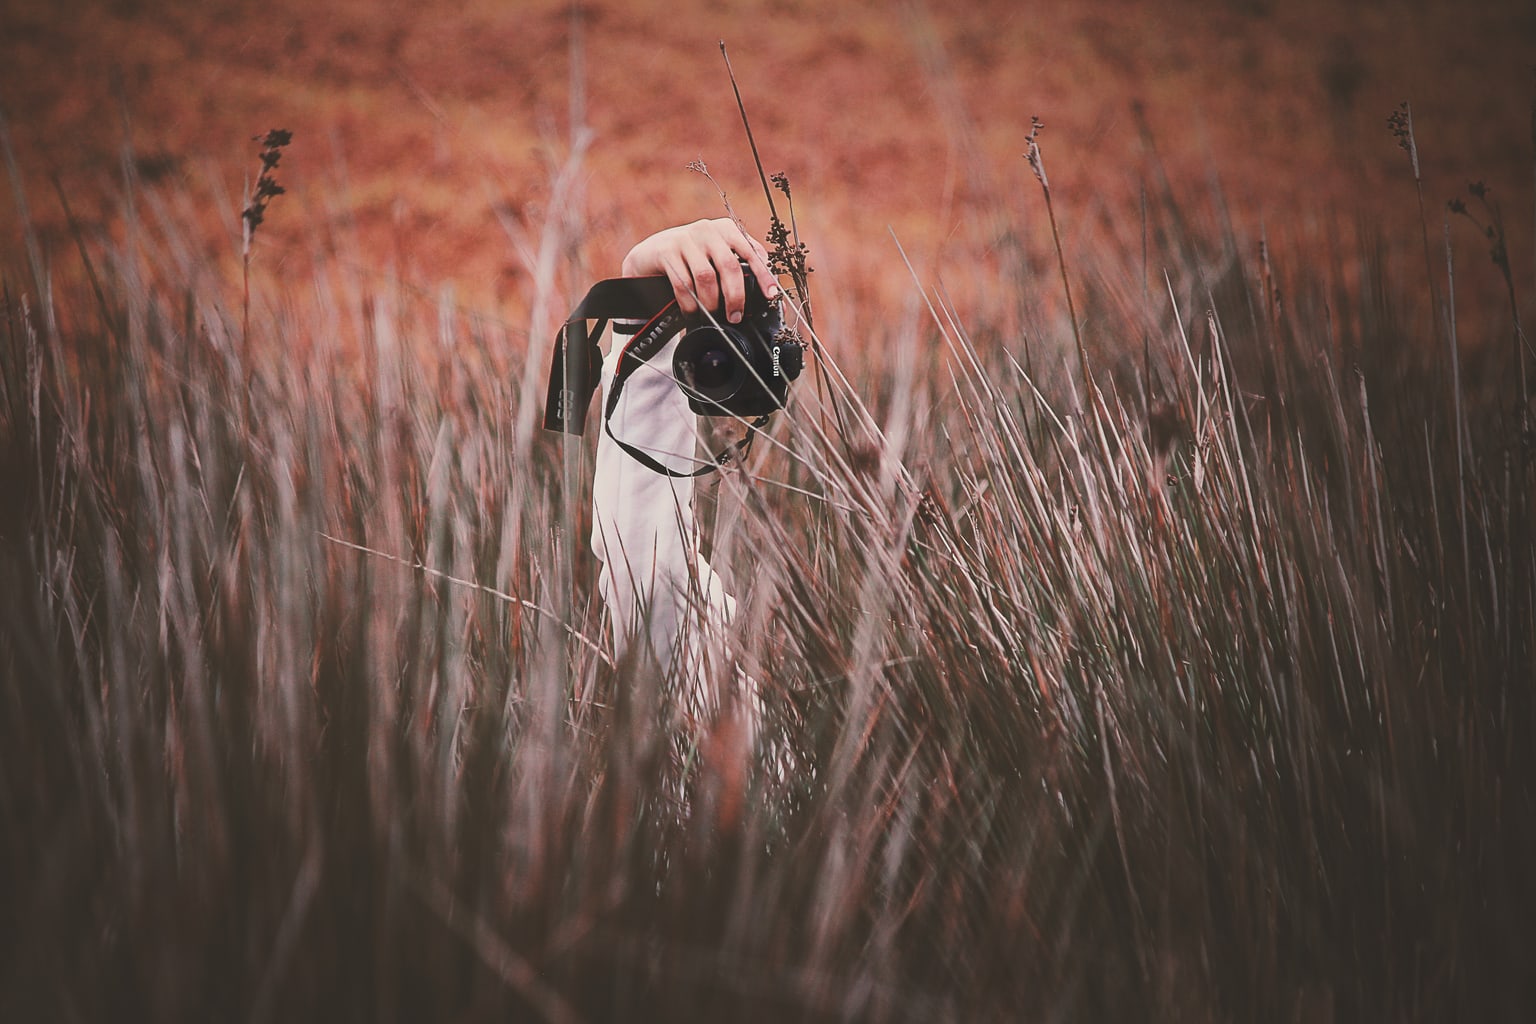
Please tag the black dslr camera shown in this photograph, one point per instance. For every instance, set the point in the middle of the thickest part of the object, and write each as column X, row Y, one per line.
column 740, row 369
column 725, row 369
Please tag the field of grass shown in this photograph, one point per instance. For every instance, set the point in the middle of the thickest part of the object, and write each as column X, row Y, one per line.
column 1178, row 672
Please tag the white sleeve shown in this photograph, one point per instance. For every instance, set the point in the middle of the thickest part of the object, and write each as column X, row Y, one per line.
column 653, row 581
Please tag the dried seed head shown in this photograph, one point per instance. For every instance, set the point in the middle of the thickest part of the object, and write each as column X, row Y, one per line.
column 266, row 186
column 1401, row 125
column 1032, row 154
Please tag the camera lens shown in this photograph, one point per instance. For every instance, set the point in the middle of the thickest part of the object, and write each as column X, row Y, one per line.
column 737, row 370
column 710, row 363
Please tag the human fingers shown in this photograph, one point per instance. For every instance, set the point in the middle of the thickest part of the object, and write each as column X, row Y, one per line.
column 706, row 269
column 726, row 260
column 692, row 274
column 714, row 251
column 740, row 248
column 751, row 250
column 680, row 276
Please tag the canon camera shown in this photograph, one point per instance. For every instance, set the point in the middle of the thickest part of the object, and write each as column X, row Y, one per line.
column 725, row 369
column 741, row 369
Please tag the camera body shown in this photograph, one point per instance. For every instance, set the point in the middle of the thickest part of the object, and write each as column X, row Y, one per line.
column 742, row 369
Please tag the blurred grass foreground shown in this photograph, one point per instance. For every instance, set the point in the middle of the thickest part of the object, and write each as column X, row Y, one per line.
column 1183, row 673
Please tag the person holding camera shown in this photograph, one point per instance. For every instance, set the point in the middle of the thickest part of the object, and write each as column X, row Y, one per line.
column 657, row 587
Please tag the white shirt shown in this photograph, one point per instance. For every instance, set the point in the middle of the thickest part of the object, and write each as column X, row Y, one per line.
column 657, row 588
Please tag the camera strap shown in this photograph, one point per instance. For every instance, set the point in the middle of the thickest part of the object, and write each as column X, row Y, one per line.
column 578, row 363
column 643, row 347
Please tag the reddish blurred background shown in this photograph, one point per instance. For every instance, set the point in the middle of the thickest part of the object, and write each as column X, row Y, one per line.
column 430, row 138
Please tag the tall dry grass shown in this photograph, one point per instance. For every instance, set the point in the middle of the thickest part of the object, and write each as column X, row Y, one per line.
column 1202, row 696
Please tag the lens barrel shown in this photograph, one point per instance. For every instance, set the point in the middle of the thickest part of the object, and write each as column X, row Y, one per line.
column 712, row 363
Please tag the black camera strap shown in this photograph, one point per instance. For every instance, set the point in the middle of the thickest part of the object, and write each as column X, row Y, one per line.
column 578, row 362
